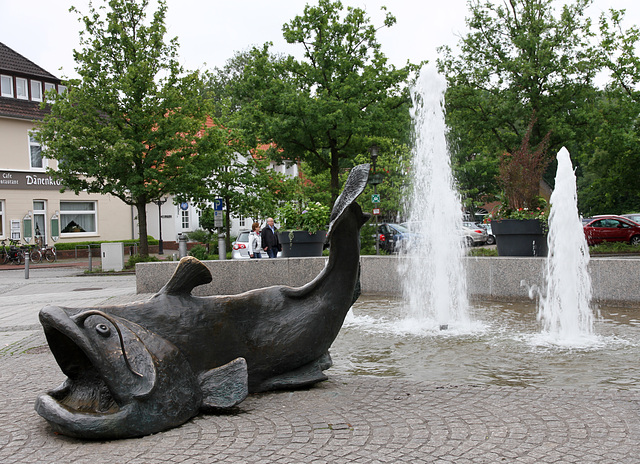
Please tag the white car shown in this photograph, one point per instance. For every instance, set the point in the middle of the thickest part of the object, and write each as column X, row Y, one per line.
column 240, row 248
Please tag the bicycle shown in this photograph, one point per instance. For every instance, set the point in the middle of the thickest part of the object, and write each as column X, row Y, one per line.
column 49, row 253
column 35, row 255
column 11, row 254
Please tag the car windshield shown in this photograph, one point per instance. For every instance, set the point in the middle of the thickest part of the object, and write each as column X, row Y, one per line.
column 399, row 228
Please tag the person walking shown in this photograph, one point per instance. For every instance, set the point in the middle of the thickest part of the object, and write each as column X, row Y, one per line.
column 255, row 241
column 270, row 242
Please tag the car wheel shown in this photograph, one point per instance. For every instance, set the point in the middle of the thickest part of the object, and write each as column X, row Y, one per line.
column 491, row 240
column 469, row 241
column 635, row 240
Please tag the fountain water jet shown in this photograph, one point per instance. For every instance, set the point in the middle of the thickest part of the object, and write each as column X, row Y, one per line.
column 564, row 309
column 435, row 281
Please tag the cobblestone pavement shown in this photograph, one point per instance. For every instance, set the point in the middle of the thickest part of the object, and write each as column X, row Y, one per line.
column 348, row 419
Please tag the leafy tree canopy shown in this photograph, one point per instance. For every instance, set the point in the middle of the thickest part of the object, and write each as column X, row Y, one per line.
column 135, row 124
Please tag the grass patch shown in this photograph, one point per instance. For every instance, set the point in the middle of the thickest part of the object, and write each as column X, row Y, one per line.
column 482, row 252
column 613, row 248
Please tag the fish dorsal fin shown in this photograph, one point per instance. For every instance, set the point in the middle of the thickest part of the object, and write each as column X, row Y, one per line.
column 190, row 273
column 225, row 386
column 353, row 187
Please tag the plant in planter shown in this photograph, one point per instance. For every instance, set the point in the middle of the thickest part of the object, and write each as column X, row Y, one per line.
column 302, row 228
column 520, row 225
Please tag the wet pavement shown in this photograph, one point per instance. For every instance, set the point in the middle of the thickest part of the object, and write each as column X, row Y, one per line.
column 347, row 419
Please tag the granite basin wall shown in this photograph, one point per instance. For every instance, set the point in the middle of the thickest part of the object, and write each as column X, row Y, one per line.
column 615, row 281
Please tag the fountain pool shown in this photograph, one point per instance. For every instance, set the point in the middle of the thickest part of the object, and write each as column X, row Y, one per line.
column 504, row 347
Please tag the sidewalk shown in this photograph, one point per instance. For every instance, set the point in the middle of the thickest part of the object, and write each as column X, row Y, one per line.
column 348, row 419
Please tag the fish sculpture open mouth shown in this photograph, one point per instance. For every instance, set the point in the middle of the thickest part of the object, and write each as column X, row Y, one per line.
column 148, row 366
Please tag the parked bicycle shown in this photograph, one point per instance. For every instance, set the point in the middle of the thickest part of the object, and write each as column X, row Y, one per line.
column 12, row 253
column 35, row 255
column 49, row 253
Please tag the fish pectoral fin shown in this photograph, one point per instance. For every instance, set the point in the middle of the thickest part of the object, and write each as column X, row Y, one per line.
column 303, row 376
column 225, row 386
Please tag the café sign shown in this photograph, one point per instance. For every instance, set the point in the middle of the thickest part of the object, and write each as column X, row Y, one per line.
column 28, row 181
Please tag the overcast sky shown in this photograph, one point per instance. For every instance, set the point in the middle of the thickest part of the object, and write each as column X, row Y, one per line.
column 210, row 31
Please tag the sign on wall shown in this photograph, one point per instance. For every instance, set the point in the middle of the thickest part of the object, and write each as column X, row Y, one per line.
column 28, row 181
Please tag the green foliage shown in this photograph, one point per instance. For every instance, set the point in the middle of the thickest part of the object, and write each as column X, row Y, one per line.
column 134, row 259
column 200, row 252
column 135, row 124
column 310, row 217
column 482, row 251
column 520, row 58
column 613, row 248
column 324, row 108
column 74, row 245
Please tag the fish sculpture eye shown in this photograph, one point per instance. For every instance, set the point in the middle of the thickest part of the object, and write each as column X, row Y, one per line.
column 103, row 330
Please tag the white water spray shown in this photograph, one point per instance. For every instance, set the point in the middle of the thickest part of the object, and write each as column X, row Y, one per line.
column 565, row 310
column 434, row 277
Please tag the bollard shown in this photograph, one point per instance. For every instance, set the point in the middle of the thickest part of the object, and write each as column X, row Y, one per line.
column 90, row 267
column 222, row 252
column 26, row 264
column 182, row 245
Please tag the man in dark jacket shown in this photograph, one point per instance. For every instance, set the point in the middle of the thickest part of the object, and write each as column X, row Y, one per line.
column 270, row 240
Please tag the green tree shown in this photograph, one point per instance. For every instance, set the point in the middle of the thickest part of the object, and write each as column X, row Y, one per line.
column 519, row 59
column 611, row 180
column 323, row 108
column 134, row 124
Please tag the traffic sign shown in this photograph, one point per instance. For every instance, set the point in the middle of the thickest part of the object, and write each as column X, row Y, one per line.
column 217, row 219
column 184, row 206
column 376, row 211
column 375, row 198
column 217, row 204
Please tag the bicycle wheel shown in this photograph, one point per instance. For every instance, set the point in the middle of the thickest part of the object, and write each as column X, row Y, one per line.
column 50, row 255
column 35, row 256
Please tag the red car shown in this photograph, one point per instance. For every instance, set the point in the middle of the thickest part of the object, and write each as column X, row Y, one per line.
column 612, row 229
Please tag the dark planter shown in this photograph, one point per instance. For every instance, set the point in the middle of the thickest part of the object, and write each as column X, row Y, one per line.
column 302, row 243
column 520, row 237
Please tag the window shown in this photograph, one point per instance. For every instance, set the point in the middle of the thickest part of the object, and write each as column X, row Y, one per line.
column 184, row 215
column 1, row 218
column 36, row 91
column 48, row 86
column 6, row 86
column 78, row 217
column 39, row 220
column 22, row 91
column 241, row 221
column 35, row 154
column 62, row 89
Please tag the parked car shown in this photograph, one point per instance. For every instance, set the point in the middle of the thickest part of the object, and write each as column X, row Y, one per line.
column 393, row 237
column 240, row 247
column 491, row 240
column 474, row 236
column 635, row 217
column 612, row 229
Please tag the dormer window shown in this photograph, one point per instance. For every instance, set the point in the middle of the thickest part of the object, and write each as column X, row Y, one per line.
column 47, row 87
column 36, row 91
column 6, row 86
column 22, row 91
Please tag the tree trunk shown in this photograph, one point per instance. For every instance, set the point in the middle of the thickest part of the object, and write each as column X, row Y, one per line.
column 227, row 216
column 335, row 176
column 143, row 249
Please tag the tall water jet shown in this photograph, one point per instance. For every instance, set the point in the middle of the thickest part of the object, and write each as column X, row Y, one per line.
column 434, row 277
column 565, row 310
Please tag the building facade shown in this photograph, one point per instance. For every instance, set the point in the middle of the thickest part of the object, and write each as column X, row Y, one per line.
column 26, row 190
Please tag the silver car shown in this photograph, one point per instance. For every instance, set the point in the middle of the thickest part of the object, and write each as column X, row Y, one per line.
column 240, row 248
column 474, row 236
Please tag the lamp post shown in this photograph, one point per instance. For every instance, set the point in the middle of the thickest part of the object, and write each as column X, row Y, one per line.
column 374, row 180
column 160, row 202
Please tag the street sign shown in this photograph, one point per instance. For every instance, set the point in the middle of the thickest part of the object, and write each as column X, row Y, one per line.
column 375, row 198
column 217, row 204
column 217, row 219
column 376, row 211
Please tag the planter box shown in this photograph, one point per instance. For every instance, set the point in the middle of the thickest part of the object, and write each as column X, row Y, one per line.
column 520, row 237
column 302, row 244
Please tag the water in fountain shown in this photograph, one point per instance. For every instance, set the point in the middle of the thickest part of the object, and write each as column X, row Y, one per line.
column 434, row 277
column 565, row 310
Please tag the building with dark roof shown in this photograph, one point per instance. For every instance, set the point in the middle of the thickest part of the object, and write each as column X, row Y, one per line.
column 26, row 188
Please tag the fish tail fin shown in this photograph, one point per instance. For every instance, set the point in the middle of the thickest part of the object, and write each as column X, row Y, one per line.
column 190, row 273
column 353, row 187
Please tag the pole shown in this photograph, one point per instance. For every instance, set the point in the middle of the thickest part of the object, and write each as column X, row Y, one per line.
column 222, row 252
column 26, row 264
column 375, row 191
column 160, row 244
